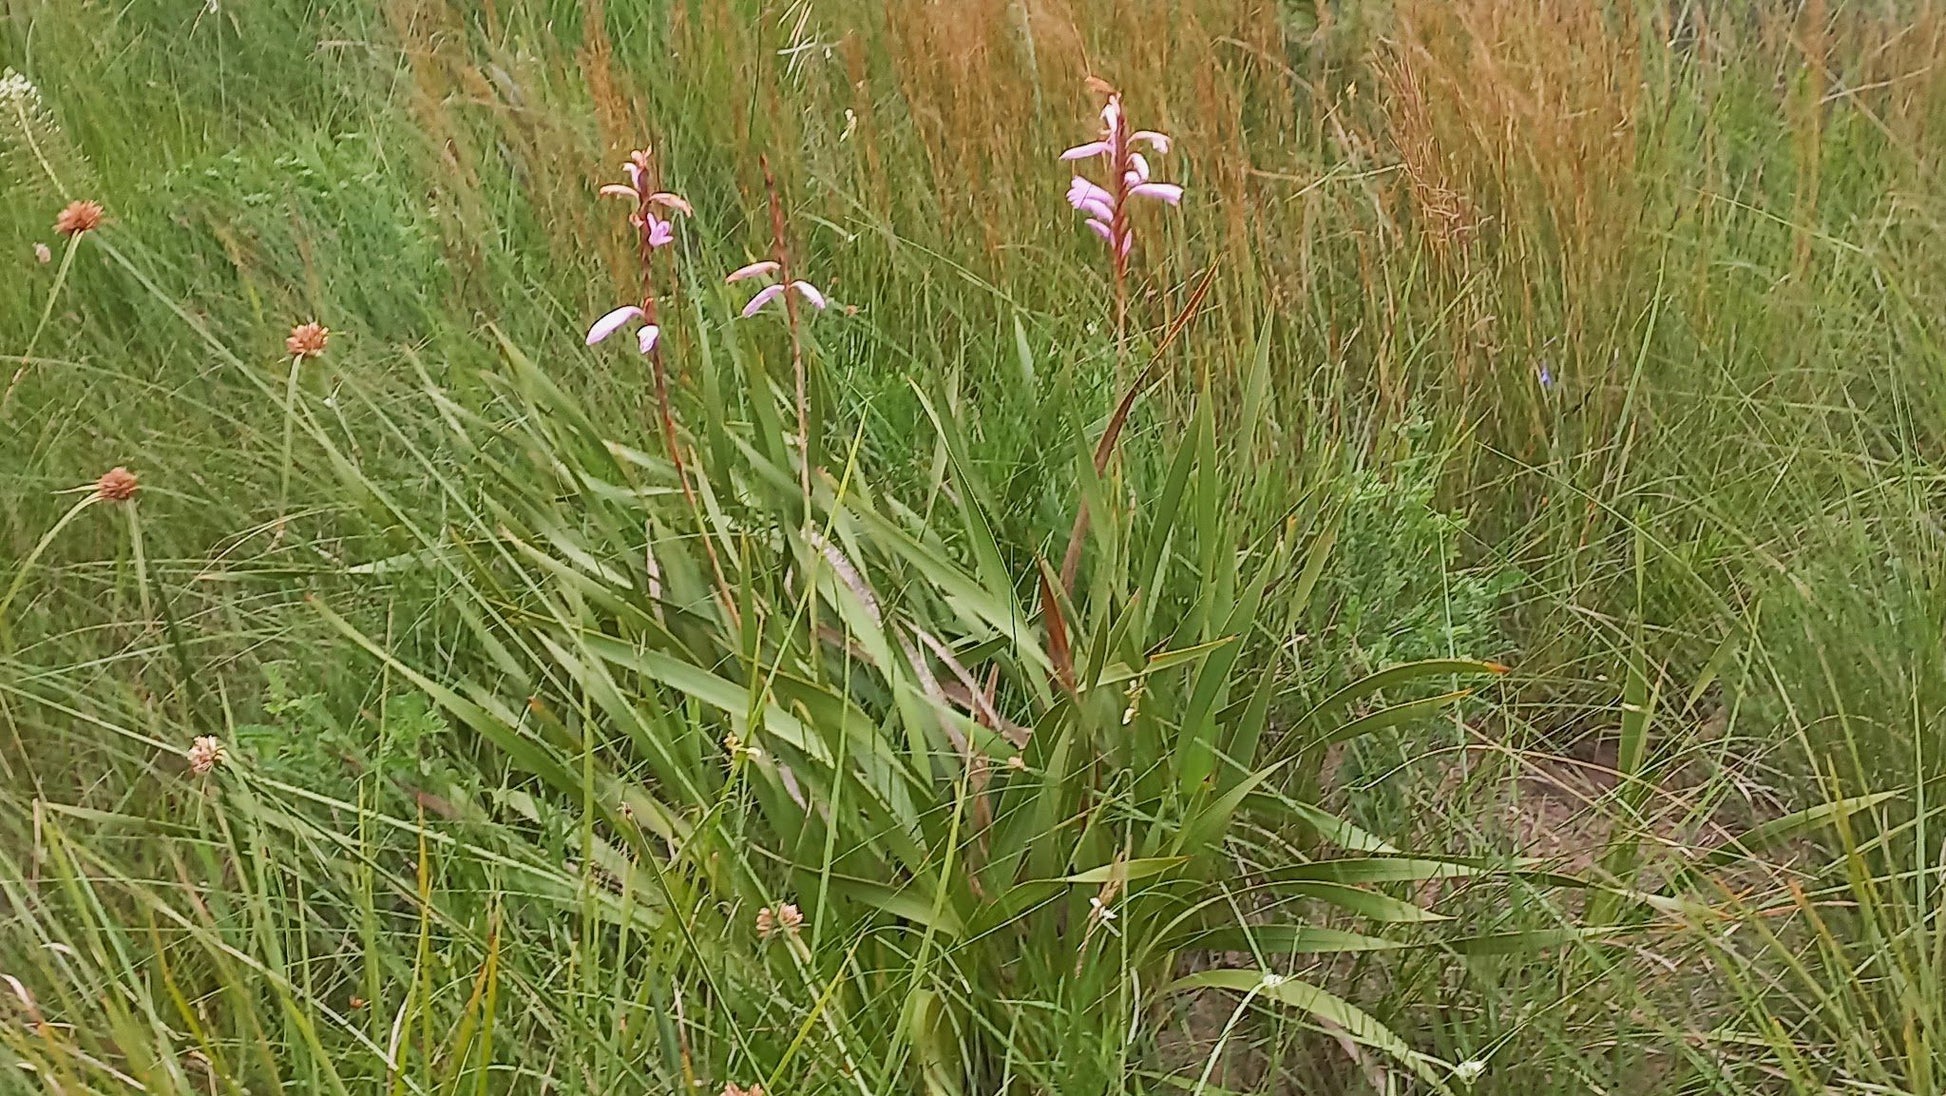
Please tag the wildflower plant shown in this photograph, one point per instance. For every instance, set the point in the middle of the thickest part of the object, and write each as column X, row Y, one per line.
column 74, row 221
column 117, row 487
column 787, row 288
column 306, row 340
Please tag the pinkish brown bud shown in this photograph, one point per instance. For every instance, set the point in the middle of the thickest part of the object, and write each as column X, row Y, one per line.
column 118, row 484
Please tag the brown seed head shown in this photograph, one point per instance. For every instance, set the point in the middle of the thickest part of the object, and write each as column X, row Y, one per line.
column 118, row 484
column 307, row 340
column 78, row 217
column 204, row 754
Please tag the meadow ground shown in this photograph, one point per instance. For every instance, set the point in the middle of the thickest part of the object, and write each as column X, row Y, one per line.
column 1459, row 611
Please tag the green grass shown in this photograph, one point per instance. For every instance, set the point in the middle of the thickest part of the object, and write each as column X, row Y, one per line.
column 523, row 729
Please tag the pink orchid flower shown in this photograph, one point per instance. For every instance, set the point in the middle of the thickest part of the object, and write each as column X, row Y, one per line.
column 655, row 231
column 652, row 232
column 811, row 294
column 616, row 320
column 1107, row 207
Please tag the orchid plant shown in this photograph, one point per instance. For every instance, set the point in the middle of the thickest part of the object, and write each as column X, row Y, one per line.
column 789, row 290
column 1107, row 207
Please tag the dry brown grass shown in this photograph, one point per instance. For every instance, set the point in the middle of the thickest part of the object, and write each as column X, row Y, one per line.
column 1489, row 166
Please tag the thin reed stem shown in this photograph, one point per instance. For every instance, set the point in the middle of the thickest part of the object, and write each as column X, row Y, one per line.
column 290, row 429
column 781, row 253
column 47, row 311
column 33, row 557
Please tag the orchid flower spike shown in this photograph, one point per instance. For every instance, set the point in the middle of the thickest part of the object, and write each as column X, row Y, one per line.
column 811, row 294
column 1129, row 175
column 652, row 218
column 656, row 231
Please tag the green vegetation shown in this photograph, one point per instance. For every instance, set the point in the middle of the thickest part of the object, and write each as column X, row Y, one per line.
column 1503, row 652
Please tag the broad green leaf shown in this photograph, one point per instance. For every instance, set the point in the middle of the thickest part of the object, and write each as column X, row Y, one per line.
column 1377, row 869
column 1391, row 677
column 908, row 904
column 717, row 692
column 1118, row 672
column 1369, row 904
column 1283, row 940
column 1360, row 1025
column 1792, row 825
column 1387, row 717
column 1128, row 870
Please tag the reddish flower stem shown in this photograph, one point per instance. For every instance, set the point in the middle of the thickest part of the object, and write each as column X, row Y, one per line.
column 781, row 253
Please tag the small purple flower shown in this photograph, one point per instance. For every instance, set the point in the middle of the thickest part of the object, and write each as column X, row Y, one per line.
column 1546, row 376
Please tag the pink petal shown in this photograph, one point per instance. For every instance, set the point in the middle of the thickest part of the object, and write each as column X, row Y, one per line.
column 1140, row 167
column 1096, row 208
column 1166, row 192
column 1082, row 152
column 1157, row 141
column 617, row 190
column 1128, row 241
column 1081, row 192
column 1101, row 229
column 634, row 171
column 751, row 271
column 612, row 323
column 810, row 293
column 646, row 337
column 764, row 296
column 661, row 234
column 672, row 201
